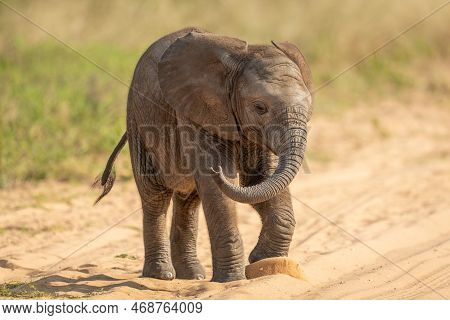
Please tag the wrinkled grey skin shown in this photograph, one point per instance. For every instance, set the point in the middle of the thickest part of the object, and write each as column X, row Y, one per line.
column 193, row 77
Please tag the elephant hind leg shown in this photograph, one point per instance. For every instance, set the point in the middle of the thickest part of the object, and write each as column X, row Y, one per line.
column 158, row 263
column 183, row 236
column 155, row 198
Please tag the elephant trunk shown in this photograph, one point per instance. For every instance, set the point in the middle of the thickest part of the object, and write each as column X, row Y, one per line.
column 291, row 151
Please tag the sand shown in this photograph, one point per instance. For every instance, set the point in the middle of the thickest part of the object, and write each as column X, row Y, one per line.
column 373, row 222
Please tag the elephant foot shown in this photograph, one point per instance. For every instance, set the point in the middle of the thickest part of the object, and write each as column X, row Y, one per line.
column 258, row 254
column 190, row 270
column 158, row 270
column 228, row 277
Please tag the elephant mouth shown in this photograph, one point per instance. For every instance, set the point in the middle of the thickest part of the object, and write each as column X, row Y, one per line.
column 272, row 150
column 257, row 136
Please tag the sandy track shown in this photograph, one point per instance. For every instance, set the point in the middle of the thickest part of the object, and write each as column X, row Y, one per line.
column 385, row 181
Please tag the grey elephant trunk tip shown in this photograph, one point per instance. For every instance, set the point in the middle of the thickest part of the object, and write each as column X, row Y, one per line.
column 218, row 175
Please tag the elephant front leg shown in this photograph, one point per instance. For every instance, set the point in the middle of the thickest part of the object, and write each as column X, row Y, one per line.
column 183, row 236
column 226, row 243
column 278, row 224
column 277, row 216
column 157, row 263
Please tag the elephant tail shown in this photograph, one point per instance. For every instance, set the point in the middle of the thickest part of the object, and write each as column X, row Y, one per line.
column 106, row 180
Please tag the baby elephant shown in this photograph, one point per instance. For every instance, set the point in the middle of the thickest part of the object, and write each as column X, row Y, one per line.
column 202, row 110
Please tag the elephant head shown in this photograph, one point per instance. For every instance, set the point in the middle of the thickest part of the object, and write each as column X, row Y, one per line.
column 258, row 93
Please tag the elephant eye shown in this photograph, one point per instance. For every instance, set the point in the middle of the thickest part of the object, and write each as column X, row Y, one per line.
column 260, row 107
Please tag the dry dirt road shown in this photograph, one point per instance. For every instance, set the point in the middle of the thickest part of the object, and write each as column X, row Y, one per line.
column 373, row 222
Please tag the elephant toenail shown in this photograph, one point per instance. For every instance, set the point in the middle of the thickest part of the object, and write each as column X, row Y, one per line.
column 167, row 275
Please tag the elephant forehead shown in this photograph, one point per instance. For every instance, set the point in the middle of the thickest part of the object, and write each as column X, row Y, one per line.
column 271, row 76
column 277, row 90
column 274, row 67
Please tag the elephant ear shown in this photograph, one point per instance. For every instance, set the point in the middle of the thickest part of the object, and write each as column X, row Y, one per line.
column 192, row 75
column 293, row 53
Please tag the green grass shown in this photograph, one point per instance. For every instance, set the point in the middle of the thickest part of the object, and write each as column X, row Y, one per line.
column 126, row 256
column 21, row 290
column 60, row 112
column 61, row 116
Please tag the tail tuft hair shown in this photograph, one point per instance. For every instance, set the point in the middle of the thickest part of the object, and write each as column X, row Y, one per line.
column 105, row 183
column 106, row 180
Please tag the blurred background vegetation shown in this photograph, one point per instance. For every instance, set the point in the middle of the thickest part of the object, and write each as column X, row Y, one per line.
column 61, row 116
